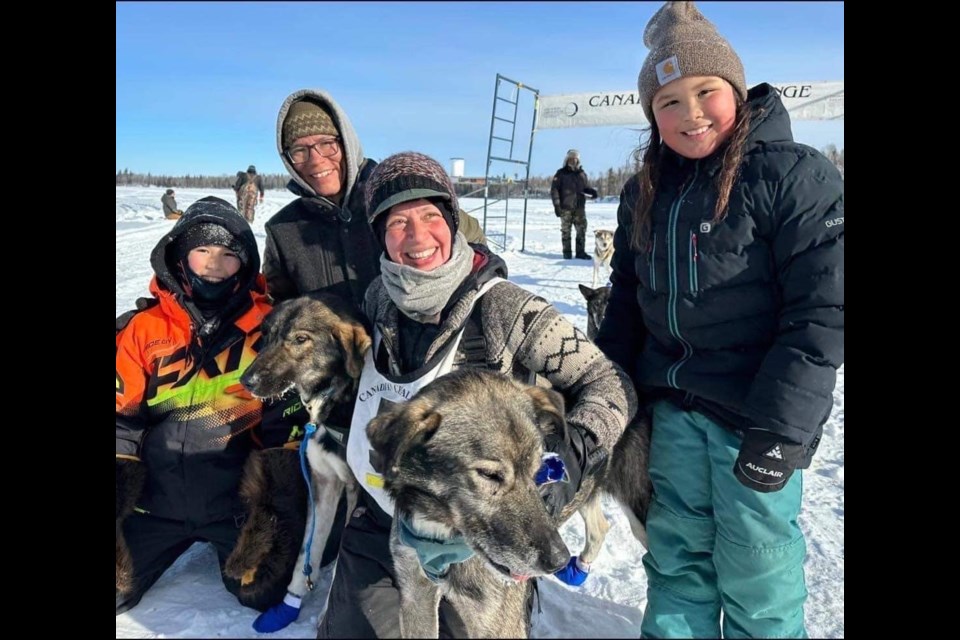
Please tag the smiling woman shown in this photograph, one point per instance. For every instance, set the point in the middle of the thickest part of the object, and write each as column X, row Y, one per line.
column 418, row 235
column 442, row 304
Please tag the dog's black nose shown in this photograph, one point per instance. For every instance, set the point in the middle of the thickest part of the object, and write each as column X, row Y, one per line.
column 554, row 554
column 250, row 380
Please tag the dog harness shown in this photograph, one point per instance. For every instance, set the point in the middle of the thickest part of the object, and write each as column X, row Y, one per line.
column 378, row 391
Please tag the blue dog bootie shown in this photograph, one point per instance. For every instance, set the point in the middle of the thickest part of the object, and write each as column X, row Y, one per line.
column 279, row 615
column 575, row 573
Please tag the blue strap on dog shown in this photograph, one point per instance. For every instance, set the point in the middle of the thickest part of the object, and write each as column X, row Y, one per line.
column 311, row 429
column 280, row 615
column 435, row 555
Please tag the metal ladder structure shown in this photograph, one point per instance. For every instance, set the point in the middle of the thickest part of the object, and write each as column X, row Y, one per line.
column 503, row 130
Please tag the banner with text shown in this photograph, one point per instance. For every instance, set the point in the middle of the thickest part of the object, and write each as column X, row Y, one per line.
column 804, row 101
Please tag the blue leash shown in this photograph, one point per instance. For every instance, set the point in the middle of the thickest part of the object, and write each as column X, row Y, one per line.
column 311, row 429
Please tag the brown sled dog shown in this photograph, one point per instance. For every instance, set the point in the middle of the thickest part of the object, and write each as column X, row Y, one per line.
column 459, row 459
column 314, row 344
column 130, row 478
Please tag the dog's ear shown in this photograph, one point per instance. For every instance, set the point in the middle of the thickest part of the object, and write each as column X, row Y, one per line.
column 549, row 408
column 586, row 291
column 354, row 342
column 393, row 432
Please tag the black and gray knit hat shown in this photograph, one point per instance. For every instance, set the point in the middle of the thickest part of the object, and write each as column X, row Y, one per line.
column 410, row 176
column 205, row 233
column 683, row 43
column 306, row 118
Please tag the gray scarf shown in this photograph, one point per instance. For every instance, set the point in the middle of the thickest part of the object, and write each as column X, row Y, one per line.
column 422, row 295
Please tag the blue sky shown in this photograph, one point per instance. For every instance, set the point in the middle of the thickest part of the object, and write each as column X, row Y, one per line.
column 199, row 84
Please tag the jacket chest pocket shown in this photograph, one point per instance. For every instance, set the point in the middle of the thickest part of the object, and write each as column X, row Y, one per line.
column 650, row 266
column 730, row 253
column 693, row 257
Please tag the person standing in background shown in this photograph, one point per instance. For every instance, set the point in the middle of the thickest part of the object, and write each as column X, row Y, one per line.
column 569, row 192
column 169, row 202
column 247, row 193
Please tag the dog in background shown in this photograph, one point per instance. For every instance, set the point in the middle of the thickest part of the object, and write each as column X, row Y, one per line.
column 597, row 300
column 314, row 344
column 602, row 252
column 459, row 461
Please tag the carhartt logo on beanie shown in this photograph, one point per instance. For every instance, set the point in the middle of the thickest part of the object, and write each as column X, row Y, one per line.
column 683, row 43
column 306, row 118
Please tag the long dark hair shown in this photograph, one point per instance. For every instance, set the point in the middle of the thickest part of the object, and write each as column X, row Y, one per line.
column 649, row 154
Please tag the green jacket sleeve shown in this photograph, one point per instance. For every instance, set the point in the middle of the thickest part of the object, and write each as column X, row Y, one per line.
column 470, row 228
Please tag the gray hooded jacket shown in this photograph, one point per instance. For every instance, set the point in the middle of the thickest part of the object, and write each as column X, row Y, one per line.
column 314, row 243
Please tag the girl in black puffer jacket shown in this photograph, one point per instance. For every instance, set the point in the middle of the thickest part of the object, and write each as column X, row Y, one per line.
column 727, row 311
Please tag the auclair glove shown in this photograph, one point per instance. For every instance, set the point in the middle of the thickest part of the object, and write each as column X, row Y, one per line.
column 766, row 461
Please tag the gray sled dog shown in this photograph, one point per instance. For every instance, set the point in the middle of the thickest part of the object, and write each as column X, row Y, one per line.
column 602, row 252
column 597, row 300
column 314, row 344
column 459, row 459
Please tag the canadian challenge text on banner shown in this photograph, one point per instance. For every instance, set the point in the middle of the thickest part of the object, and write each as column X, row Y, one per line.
column 804, row 101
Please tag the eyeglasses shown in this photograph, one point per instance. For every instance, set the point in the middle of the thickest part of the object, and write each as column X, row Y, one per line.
column 324, row 149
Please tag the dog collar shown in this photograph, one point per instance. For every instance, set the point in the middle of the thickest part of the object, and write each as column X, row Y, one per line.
column 435, row 555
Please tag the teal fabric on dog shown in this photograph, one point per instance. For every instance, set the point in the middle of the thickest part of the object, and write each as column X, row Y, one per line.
column 435, row 556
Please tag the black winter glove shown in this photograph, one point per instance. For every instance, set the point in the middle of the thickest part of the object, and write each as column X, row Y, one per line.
column 580, row 455
column 590, row 192
column 556, row 211
column 766, row 461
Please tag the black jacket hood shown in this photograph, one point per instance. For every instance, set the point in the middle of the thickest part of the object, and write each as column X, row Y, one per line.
column 211, row 210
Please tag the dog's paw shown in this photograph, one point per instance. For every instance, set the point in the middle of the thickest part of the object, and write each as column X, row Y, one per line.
column 275, row 618
column 574, row 574
column 248, row 578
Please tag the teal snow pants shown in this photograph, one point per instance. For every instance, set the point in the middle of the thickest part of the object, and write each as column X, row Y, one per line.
column 716, row 545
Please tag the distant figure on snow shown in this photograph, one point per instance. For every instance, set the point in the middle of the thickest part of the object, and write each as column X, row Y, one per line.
column 247, row 186
column 170, row 210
